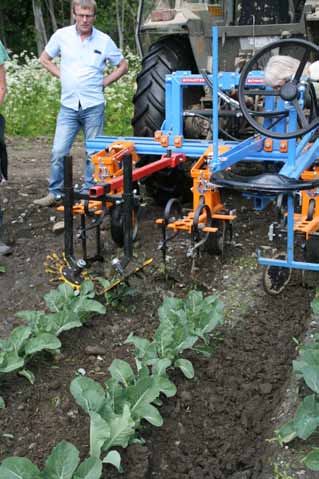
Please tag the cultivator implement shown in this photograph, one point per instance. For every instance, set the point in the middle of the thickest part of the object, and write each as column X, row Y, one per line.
column 208, row 222
column 281, row 136
column 114, row 196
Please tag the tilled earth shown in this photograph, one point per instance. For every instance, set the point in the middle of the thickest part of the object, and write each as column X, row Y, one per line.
column 219, row 424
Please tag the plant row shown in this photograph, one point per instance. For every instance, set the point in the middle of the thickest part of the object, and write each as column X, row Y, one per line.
column 306, row 419
column 130, row 395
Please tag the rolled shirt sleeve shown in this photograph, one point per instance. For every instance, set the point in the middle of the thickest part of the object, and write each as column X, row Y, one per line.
column 113, row 53
column 53, row 46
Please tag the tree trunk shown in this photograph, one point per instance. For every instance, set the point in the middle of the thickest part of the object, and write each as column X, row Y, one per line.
column 71, row 14
column 2, row 30
column 41, row 35
column 50, row 7
column 119, row 19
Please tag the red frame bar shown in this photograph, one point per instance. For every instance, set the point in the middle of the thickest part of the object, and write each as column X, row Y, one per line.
column 165, row 162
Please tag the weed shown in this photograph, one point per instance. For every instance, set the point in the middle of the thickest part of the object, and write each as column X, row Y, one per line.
column 281, row 472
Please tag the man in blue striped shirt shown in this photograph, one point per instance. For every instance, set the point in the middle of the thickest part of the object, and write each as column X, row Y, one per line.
column 84, row 51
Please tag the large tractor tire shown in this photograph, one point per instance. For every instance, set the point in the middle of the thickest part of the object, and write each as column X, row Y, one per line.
column 165, row 56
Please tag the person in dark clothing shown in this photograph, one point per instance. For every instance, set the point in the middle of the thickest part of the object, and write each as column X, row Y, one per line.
column 4, row 249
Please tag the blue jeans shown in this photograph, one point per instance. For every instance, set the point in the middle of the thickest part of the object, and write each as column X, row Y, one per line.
column 69, row 123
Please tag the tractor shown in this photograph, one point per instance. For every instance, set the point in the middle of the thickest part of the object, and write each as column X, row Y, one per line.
column 176, row 35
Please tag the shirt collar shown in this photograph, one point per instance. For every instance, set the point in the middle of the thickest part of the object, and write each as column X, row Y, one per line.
column 88, row 38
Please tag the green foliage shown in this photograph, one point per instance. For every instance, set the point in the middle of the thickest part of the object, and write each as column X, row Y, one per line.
column 113, row 458
column 107, row 22
column 117, row 410
column 119, row 100
column 306, row 420
column 130, row 397
column 18, row 31
column 32, row 102
column 184, row 324
column 307, row 365
column 315, row 304
column 63, row 463
column 312, row 460
column 89, row 394
column 33, row 98
column 120, row 297
column 67, row 311
column 281, row 472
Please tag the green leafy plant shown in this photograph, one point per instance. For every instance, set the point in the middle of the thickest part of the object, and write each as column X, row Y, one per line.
column 63, row 463
column 117, row 297
column 127, row 398
column 66, row 311
column 311, row 460
column 117, row 409
column 306, row 419
column 184, row 324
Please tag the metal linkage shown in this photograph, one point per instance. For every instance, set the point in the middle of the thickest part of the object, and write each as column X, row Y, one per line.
column 206, row 220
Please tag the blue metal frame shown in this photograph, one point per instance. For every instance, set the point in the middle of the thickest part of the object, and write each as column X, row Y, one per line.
column 295, row 161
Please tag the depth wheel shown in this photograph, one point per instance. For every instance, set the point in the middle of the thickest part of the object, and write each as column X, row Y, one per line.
column 117, row 231
column 276, row 278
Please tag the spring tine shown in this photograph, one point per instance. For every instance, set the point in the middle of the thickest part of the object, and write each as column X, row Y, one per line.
column 66, row 260
column 52, row 271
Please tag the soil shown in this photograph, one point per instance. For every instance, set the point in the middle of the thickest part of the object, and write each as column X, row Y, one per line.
column 219, row 424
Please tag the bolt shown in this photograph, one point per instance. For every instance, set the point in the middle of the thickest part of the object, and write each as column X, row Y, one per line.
column 116, row 263
column 81, row 263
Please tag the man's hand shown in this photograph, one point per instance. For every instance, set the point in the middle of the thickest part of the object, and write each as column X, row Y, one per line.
column 47, row 63
column 116, row 74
